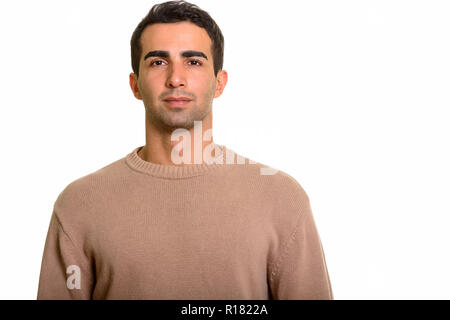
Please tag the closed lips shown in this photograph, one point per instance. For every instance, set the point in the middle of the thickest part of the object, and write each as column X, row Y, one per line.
column 177, row 99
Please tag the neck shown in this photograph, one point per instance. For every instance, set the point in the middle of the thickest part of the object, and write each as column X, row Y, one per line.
column 180, row 153
column 187, row 148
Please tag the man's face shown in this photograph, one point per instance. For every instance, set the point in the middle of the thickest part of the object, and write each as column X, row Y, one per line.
column 176, row 61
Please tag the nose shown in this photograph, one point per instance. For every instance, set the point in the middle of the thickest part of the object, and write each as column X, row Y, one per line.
column 176, row 77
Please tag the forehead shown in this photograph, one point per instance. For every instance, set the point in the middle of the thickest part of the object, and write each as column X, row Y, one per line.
column 175, row 37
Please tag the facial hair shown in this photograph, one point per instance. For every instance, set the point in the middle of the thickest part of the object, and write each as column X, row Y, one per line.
column 169, row 119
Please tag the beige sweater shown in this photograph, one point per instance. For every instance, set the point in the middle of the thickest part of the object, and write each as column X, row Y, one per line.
column 140, row 230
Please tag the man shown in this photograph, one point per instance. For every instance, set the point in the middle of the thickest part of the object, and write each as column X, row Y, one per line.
column 182, row 217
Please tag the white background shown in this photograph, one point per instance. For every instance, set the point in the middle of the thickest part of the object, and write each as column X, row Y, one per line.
column 351, row 98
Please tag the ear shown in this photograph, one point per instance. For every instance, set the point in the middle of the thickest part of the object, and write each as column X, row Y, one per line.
column 221, row 82
column 134, row 86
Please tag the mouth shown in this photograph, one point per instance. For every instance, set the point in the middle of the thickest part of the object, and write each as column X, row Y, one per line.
column 177, row 102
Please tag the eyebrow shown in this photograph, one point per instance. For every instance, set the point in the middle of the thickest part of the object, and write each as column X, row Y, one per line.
column 165, row 54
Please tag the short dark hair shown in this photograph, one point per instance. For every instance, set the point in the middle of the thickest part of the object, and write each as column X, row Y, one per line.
column 176, row 11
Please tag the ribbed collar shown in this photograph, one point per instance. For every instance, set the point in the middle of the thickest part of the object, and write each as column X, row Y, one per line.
column 135, row 162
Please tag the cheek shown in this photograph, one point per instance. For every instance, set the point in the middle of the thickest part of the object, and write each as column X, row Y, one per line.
column 147, row 87
column 205, row 85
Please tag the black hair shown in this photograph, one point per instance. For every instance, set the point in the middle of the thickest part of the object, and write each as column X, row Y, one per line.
column 176, row 11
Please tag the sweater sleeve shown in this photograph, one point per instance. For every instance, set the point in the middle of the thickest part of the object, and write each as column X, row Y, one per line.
column 300, row 272
column 65, row 271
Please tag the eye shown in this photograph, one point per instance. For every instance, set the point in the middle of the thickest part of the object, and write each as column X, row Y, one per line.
column 198, row 62
column 153, row 62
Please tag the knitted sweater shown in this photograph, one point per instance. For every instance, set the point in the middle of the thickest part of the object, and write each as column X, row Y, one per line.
column 223, row 229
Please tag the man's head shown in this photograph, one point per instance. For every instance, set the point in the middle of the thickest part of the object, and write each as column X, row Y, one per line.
column 177, row 50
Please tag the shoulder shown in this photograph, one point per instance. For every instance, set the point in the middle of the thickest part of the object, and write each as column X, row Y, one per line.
column 283, row 194
column 81, row 194
column 289, row 198
column 278, row 182
column 287, row 184
column 271, row 184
